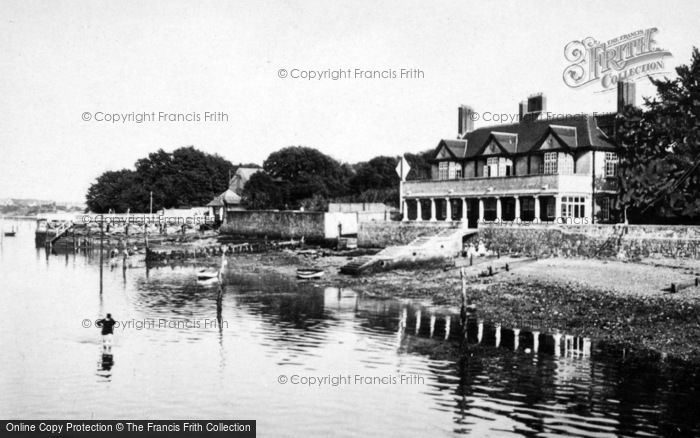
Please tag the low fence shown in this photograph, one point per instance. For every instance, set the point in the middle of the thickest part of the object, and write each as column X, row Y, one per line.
column 624, row 241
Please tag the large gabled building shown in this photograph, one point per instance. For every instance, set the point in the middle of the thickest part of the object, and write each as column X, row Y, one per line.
column 558, row 169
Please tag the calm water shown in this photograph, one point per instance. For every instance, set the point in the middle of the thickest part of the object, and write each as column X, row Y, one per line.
column 53, row 367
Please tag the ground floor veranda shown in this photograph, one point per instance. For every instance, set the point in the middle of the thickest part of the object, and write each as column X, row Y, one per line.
column 575, row 209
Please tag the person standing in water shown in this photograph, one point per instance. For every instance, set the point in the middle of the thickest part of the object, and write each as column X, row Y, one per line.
column 107, row 326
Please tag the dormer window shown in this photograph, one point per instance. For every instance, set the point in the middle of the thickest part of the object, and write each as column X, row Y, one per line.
column 491, row 168
column 498, row 166
column 442, row 170
column 550, row 162
column 558, row 163
column 449, row 170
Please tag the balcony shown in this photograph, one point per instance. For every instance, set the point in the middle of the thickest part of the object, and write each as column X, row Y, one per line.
column 537, row 184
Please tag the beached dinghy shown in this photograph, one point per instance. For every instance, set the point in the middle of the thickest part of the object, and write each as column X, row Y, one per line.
column 309, row 273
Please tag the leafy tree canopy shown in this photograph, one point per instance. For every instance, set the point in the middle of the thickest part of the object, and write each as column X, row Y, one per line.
column 183, row 178
column 660, row 147
column 377, row 173
column 261, row 192
column 306, row 172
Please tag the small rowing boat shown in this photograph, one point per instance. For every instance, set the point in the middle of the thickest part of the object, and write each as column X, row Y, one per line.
column 210, row 274
column 10, row 233
column 207, row 274
column 309, row 273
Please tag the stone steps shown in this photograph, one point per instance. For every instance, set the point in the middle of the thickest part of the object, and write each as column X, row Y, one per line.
column 357, row 266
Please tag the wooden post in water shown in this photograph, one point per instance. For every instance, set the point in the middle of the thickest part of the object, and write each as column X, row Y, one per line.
column 463, row 309
column 463, row 275
column 101, row 251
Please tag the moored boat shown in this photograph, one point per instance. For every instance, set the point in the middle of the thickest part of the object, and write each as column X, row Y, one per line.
column 210, row 274
column 309, row 273
column 207, row 274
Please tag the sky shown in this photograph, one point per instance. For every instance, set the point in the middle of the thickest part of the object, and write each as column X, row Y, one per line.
column 65, row 59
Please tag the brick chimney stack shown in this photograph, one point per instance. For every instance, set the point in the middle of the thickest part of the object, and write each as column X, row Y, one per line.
column 626, row 94
column 522, row 109
column 465, row 123
column 531, row 108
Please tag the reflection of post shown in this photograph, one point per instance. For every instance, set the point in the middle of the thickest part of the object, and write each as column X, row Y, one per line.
column 101, row 248
column 448, row 321
column 535, row 341
column 463, row 310
column 557, row 344
column 516, row 339
column 498, row 335
column 569, row 347
column 432, row 325
column 418, row 315
column 402, row 327
column 586, row 349
column 219, row 305
column 479, row 331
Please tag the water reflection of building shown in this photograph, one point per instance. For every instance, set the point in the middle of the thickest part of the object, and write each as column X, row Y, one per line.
column 487, row 376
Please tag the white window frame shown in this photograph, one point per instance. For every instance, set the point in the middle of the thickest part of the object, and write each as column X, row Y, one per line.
column 451, row 167
column 492, row 165
column 573, row 206
column 443, row 169
column 611, row 163
column 550, row 161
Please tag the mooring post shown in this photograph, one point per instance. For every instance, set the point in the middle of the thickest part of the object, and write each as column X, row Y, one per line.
column 101, row 246
column 463, row 275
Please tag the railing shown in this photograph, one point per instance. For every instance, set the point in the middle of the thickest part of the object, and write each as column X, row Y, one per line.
column 539, row 172
column 524, row 184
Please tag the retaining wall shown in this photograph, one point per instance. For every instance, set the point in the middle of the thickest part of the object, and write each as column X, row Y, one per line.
column 627, row 242
column 276, row 224
column 312, row 225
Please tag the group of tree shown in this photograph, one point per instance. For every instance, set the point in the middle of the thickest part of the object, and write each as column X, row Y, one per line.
column 660, row 151
column 293, row 177
column 182, row 178
column 303, row 177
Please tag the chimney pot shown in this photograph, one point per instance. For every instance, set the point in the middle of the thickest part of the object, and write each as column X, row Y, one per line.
column 465, row 123
column 626, row 94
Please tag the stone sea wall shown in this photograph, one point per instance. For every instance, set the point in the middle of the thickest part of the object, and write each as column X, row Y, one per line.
column 626, row 242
